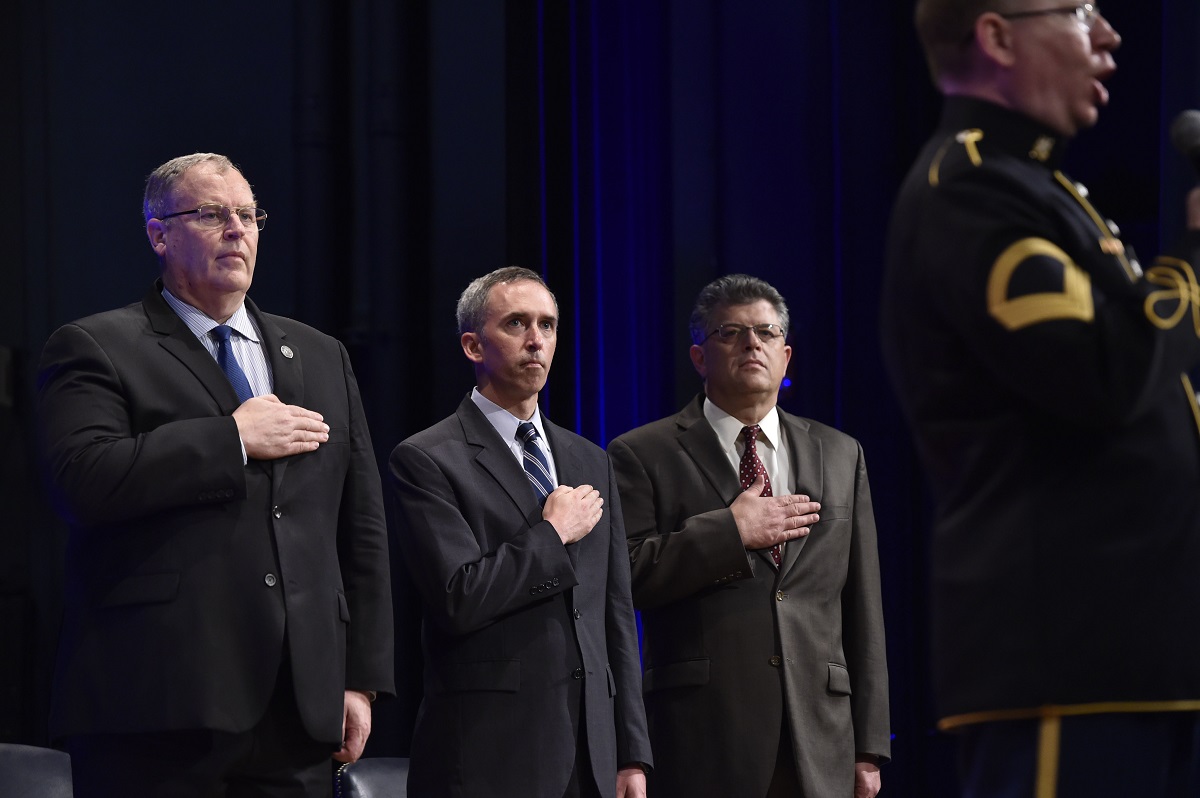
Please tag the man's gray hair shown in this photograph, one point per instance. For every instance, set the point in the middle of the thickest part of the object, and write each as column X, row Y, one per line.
column 472, row 305
column 162, row 180
column 733, row 289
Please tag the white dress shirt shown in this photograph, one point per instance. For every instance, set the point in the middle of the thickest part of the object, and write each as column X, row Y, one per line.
column 506, row 424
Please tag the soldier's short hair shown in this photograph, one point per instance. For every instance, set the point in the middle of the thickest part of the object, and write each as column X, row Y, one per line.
column 945, row 28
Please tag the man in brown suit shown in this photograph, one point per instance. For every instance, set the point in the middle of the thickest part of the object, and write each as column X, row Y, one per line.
column 765, row 670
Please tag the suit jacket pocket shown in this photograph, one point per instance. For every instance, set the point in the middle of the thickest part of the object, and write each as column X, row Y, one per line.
column 834, row 512
column 502, row 675
column 343, row 607
column 143, row 589
column 688, row 673
column 338, row 435
column 839, row 679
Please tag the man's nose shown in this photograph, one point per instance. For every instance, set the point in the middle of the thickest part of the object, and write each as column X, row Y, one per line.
column 1104, row 35
column 235, row 227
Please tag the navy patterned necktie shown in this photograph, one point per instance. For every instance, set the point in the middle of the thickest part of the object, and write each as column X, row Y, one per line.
column 750, row 468
column 229, row 364
column 537, row 467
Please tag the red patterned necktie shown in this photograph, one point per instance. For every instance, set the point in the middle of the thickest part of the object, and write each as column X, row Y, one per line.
column 749, row 470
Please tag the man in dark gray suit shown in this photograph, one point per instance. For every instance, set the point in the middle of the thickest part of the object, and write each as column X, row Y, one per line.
column 532, row 679
column 764, row 649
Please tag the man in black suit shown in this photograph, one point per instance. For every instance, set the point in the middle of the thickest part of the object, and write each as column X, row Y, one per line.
column 532, row 679
column 754, row 564
column 228, row 612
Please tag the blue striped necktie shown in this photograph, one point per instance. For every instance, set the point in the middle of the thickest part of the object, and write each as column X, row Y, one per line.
column 229, row 364
column 537, row 467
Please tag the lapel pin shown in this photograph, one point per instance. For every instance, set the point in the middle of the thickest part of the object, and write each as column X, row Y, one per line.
column 287, row 351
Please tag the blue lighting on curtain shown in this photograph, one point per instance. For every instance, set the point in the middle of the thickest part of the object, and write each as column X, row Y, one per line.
column 576, row 247
column 541, row 79
column 601, row 382
column 839, row 255
column 542, row 177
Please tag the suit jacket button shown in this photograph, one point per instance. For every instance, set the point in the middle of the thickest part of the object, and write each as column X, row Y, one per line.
column 554, row 582
column 269, row 580
column 577, row 673
column 533, row 591
column 578, row 615
column 775, row 661
column 275, row 511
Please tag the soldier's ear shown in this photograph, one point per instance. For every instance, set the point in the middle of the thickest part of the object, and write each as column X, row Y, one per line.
column 993, row 37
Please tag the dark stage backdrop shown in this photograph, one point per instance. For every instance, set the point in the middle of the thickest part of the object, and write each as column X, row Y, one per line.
column 631, row 150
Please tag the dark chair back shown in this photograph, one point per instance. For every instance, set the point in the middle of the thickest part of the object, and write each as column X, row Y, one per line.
column 376, row 777
column 29, row 772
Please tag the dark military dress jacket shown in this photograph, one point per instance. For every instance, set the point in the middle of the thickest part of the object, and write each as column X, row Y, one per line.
column 1044, row 373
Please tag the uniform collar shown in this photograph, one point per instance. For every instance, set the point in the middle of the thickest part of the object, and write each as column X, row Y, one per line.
column 1004, row 130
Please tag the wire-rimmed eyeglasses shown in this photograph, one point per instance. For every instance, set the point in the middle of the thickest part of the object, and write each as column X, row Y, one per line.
column 727, row 333
column 214, row 216
column 1085, row 13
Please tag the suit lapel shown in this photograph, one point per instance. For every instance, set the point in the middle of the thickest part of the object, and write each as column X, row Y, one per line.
column 569, row 467
column 807, row 474
column 287, row 362
column 566, row 459
column 287, row 375
column 494, row 457
column 180, row 343
column 697, row 438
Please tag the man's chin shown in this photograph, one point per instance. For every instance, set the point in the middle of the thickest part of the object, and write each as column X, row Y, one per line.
column 535, row 383
column 758, row 383
column 235, row 280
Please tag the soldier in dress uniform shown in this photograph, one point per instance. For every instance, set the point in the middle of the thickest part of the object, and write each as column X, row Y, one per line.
column 1044, row 373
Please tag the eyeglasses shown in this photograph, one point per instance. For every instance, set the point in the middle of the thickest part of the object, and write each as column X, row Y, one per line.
column 215, row 216
column 727, row 333
column 1085, row 14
